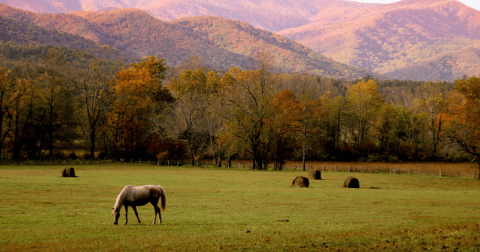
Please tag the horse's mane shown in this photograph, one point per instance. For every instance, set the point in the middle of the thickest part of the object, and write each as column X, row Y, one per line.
column 121, row 198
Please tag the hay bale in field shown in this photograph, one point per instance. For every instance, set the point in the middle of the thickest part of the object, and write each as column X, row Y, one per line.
column 315, row 174
column 68, row 172
column 300, row 181
column 351, row 182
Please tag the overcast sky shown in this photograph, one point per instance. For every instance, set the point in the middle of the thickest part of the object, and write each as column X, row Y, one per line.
column 472, row 3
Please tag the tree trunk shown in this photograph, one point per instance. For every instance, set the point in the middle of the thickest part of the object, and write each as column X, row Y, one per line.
column 92, row 142
column 478, row 161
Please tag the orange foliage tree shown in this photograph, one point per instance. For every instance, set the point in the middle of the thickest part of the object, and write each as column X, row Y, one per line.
column 248, row 107
column 363, row 102
column 463, row 116
column 137, row 90
column 196, row 112
column 284, row 125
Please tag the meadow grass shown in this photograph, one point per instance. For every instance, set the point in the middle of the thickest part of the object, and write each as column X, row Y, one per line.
column 218, row 209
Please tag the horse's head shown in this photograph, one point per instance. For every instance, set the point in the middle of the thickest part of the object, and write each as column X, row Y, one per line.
column 115, row 214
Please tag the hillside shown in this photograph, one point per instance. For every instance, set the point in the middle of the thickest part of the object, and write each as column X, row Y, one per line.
column 383, row 38
column 386, row 38
column 21, row 32
column 448, row 67
column 273, row 15
column 243, row 39
column 219, row 42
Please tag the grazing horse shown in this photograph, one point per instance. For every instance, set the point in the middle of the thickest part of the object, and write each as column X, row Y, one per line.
column 138, row 196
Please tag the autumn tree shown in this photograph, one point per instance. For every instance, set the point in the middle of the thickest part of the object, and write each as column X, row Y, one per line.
column 430, row 104
column 332, row 117
column 248, row 105
column 138, row 89
column 92, row 87
column 463, row 116
column 195, row 95
column 284, row 125
column 57, row 98
column 362, row 103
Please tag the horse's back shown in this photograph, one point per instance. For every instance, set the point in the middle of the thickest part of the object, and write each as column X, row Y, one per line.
column 141, row 195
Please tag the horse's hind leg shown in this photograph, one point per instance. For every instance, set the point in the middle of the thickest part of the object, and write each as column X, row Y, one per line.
column 157, row 210
column 135, row 210
column 159, row 213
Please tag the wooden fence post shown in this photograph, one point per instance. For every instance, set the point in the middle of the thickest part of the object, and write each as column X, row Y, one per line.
column 424, row 173
column 349, row 169
column 362, row 169
column 131, row 160
column 376, row 169
column 323, row 167
column 168, row 162
column 440, row 173
column 336, row 168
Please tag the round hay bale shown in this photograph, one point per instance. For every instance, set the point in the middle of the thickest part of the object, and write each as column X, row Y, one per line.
column 68, row 172
column 300, row 181
column 315, row 174
column 351, row 182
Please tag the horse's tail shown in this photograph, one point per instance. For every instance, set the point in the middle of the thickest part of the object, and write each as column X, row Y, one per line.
column 162, row 195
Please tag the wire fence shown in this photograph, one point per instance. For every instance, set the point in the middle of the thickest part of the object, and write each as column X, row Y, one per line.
column 441, row 170
column 246, row 165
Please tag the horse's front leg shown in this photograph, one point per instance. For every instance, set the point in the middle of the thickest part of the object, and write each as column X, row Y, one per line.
column 126, row 214
column 135, row 210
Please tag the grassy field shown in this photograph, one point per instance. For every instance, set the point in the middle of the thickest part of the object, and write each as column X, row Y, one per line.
column 224, row 210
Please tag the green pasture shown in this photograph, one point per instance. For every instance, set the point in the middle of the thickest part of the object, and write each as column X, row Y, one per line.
column 215, row 210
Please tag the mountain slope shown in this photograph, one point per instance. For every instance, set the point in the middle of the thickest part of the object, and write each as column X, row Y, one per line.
column 24, row 33
column 219, row 42
column 273, row 15
column 448, row 67
column 385, row 38
column 241, row 38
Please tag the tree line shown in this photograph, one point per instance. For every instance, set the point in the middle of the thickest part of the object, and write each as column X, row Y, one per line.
column 60, row 108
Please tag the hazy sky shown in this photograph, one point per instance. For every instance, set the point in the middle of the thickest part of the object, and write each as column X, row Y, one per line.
column 472, row 3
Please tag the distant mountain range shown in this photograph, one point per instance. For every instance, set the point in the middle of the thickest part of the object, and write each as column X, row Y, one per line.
column 396, row 39
column 402, row 37
column 272, row 15
column 220, row 43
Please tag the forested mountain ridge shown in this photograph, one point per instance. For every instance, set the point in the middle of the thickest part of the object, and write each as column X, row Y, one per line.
column 387, row 38
column 383, row 38
column 243, row 39
column 449, row 67
column 225, row 45
column 273, row 15
column 28, row 34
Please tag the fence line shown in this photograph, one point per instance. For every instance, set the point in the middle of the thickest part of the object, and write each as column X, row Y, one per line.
column 334, row 168
column 440, row 173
